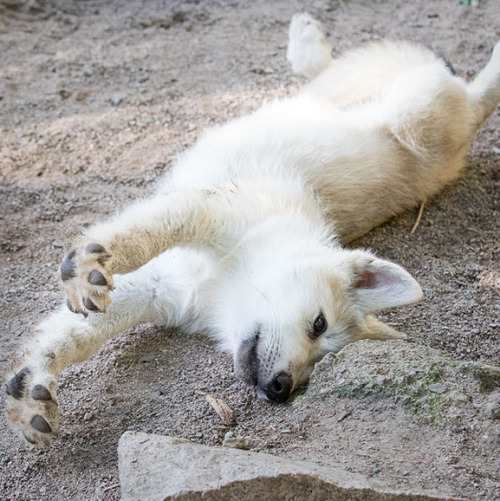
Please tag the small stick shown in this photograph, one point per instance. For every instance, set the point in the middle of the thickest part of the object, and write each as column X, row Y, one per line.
column 419, row 217
column 222, row 409
column 109, row 487
column 344, row 416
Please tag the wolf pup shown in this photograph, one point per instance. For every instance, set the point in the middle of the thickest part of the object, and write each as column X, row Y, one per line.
column 242, row 239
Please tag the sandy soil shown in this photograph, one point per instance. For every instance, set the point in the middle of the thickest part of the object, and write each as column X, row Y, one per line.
column 96, row 98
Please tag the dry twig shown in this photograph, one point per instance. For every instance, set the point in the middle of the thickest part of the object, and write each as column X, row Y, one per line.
column 419, row 217
column 222, row 409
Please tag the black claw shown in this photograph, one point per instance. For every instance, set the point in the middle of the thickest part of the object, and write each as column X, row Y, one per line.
column 70, row 308
column 15, row 387
column 39, row 423
column 29, row 439
column 94, row 249
column 39, row 392
column 68, row 268
column 90, row 305
column 97, row 278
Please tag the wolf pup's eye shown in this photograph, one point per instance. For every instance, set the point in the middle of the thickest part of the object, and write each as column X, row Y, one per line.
column 319, row 325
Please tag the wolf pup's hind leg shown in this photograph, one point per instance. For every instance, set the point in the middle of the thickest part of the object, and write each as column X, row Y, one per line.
column 308, row 50
column 484, row 91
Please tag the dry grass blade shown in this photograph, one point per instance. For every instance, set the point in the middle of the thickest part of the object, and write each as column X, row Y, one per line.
column 419, row 217
column 222, row 409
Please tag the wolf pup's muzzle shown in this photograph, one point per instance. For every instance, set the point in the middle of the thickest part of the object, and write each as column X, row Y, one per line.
column 247, row 368
column 279, row 389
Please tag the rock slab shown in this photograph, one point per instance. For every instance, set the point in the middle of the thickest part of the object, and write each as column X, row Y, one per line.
column 154, row 467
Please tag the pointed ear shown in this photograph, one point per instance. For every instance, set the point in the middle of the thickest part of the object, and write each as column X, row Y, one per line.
column 381, row 284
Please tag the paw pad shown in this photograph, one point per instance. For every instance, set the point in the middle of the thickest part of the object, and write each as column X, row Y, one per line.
column 68, row 268
column 15, row 387
column 86, row 281
column 39, row 392
column 94, row 249
column 97, row 278
column 39, row 424
column 31, row 408
column 98, row 249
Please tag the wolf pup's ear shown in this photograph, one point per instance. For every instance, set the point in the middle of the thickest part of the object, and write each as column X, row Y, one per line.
column 381, row 284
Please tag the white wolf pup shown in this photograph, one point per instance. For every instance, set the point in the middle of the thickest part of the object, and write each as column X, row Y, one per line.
column 242, row 239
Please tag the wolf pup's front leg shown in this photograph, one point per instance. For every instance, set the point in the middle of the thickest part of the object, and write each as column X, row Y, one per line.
column 211, row 218
column 31, row 385
column 64, row 339
column 121, row 245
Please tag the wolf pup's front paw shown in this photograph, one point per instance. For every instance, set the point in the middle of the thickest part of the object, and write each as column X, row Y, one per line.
column 31, row 406
column 86, row 281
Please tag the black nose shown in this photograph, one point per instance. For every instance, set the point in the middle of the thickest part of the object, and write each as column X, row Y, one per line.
column 279, row 388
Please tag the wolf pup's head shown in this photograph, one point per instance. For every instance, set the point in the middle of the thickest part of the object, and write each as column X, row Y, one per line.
column 283, row 313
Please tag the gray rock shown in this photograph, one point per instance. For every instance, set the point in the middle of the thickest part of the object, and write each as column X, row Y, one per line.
column 156, row 467
column 426, row 383
column 117, row 98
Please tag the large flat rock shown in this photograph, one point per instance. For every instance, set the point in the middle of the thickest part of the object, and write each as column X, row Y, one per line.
column 154, row 467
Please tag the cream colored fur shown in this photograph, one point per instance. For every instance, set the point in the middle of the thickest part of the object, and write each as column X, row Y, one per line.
column 242, row 238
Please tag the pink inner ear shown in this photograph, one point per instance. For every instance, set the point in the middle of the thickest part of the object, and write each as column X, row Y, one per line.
column 382, row 284
column 370, row 280
column 366, row 280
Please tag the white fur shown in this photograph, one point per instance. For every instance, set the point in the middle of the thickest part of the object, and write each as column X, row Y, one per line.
column 241, row 240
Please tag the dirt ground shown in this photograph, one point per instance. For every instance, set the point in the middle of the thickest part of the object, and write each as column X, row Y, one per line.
column 96, row 98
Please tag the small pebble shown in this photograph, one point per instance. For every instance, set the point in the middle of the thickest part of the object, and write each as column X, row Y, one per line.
column 117, row 98
column 438, row 388
column 238, row 442
column 88, row 416
column 147, row 357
